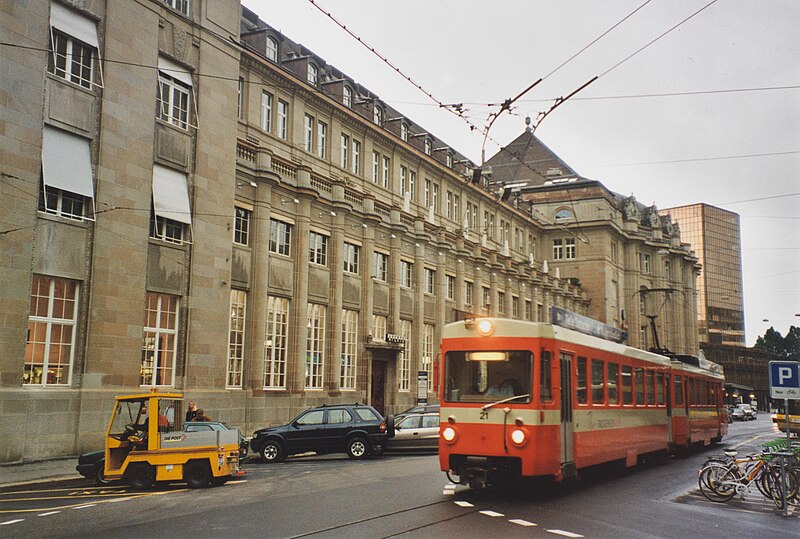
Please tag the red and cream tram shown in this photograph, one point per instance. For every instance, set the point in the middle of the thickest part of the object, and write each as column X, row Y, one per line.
column 525, row 399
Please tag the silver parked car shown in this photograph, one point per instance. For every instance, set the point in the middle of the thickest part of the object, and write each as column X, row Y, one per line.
column 416, row 432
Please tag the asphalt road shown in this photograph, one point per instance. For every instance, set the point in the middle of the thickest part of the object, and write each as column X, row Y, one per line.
column 404, row 495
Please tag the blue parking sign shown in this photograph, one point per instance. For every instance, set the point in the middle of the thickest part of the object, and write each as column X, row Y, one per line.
column 784, row 379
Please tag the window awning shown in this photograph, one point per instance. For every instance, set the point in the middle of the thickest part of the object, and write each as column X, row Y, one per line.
column 75, row 25
column 67, row 162
column 171, row 195
column 174, row 70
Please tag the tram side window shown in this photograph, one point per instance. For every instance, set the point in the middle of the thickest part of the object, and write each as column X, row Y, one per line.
column 638, row 377
column 613, row 383
column 545, row 377
column 580, row 389
column 712, row 394
column 627, row 385
column 660, row 388
column 690, row 386
column 678, row 385
column 598, row 393
column 650, row 381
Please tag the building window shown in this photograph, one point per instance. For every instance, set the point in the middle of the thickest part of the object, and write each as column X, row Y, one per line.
column 165, row 229
column 376, row 158
column 272, row 49
column 404, row 374
column 486, row 296
column 236, row 338
column 469, row 292
column 667, row 270
column 381, row 265
column 283, row 119
column 501, row 302
column 644, row 263
column 412, row 180
column 62, row 203
column 350, row 255
column 528, row 310
column 448, row 160
column 318, row 248
column 49, row 350
column 403, row 178
column 312, row 76
column 377, row 114
column 427, row 353
column 71, row 59
column 315, row 346
column 435, row 197
column 239, row 98
column 173, row 100
column 241, row 226
column 614, row 254
column 563, row 215
column 449, row 205
column 322, row 138
column 451, row 286
column 349, row 352
column 564, row 249
column 280, row 237
column 379, row 324
column 406, row 270
column 276, row 343
column 344, row 148
column 356, row 157
column 540, row 312
column 347, row 96
column 428, row 146
column 170, row 216
column 427, row 194
column 404, row 132
column 456, row 207
column 159, row 348
column 386, row 168
column 308, row 129
column 488, row 224
column 430, row 281
column 515, row 306
column 569, row 248
column 179, row 5
column 266, row 111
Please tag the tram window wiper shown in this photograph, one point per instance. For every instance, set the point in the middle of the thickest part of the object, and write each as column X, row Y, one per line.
column 509, row 399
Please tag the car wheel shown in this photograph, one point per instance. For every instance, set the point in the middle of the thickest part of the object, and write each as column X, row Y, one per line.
column 219, row 481
column 272, row 451
column 357, row 448
column 100, row 474
column 140, row 475
column 197, row 474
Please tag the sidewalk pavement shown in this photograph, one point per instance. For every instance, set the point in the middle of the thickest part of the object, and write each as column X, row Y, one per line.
column 22, row 473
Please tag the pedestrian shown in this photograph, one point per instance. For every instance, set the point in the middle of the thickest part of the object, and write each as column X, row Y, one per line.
column 191, row 411
column 200, row 416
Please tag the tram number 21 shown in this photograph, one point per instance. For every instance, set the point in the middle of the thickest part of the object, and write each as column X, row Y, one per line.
column 484, row 414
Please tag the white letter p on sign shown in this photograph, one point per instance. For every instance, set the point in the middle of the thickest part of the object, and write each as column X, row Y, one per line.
column 784, row 373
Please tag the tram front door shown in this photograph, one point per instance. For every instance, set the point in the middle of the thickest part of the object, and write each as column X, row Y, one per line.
column 567, row 432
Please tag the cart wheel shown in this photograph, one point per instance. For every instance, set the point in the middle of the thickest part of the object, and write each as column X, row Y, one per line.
column 197, row 474
column 140, row 475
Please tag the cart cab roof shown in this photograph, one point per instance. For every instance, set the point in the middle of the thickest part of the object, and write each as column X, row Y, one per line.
column 149, row 394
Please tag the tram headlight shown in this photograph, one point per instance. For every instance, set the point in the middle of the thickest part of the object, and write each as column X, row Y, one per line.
column 485, row 327
column 519, row 437
column 449, row 434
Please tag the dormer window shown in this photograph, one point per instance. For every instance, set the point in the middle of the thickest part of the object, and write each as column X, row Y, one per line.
column 428, row 146
column 272, row 49
column 347, row 96
column 404, row 132
column 449, row 160
column 377, row 115
column 313, row 74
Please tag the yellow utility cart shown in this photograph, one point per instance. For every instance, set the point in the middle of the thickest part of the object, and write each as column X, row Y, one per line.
column 146, row 443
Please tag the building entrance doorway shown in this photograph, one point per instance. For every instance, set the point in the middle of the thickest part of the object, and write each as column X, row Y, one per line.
column 378, row 393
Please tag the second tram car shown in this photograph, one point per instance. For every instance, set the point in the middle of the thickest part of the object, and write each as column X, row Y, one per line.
column 526, row 399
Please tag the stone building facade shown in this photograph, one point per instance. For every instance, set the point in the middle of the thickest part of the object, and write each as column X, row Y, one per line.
column 232, row 218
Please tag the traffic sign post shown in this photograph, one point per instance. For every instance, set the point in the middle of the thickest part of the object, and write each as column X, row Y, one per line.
column 784, row 383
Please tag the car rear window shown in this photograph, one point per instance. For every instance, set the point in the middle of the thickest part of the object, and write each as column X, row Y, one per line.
column 367, row 414
column 339, row 416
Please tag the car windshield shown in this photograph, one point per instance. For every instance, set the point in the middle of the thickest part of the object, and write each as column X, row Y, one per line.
column 488, row 376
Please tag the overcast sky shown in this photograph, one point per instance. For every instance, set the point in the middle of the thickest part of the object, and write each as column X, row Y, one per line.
column 734, row 142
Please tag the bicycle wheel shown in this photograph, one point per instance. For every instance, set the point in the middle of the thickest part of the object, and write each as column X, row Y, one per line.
column 717, row 482
column 773, row 481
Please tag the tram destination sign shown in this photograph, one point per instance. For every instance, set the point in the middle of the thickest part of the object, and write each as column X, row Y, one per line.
column 584, row 324
column 784, row 379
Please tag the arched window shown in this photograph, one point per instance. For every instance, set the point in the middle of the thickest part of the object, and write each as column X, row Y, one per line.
column 347, row 96
column 272, row 49
column 428, row 147
column 404, row 131
column 313, row 74
column 377, row 114
column 564, row 215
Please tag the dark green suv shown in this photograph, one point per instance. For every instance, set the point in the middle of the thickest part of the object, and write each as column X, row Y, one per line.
column 356, row 429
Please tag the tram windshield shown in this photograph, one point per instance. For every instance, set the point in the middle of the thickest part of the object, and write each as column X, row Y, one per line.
column 487, row 376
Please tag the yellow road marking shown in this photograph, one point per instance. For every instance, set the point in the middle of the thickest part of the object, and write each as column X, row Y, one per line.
column 70, row 506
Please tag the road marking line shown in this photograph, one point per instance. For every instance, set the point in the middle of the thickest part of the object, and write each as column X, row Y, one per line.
column 48, row 513
column 464, row 504
column 237, row 482
column 11, row 521
column 492, row 514
column 565, row 534
column 85, row 506
column 115, row 500
column 521, row 522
